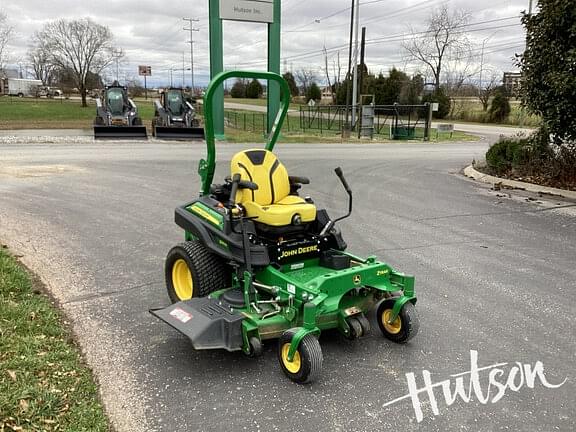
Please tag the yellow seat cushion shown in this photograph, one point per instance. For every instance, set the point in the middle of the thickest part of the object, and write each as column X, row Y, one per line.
column 271, row 203
column 282, row 212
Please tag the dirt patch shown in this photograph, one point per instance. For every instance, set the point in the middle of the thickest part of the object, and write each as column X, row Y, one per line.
column 24, row 171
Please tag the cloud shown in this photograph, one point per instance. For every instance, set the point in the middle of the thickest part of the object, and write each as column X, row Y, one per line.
column 151, row 32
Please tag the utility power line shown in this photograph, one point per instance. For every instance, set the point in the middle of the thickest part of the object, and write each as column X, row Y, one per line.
column 191, row 21
column 396, row 38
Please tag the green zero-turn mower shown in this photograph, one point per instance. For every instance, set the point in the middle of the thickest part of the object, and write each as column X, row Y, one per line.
column 260, row 262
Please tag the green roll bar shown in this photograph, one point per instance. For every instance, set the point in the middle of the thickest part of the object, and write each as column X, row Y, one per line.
column 207, row 166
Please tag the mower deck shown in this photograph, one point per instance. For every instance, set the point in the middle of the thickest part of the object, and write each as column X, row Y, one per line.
column 216, row 322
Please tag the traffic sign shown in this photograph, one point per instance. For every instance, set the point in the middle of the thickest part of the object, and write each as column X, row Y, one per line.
column 144, row 71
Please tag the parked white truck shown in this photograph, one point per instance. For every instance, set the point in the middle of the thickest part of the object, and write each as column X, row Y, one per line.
column 23, row 87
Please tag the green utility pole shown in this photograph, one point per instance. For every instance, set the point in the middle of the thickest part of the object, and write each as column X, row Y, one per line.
column 274, row 39
column 216, row 65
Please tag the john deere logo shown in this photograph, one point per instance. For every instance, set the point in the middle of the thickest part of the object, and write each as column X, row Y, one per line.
column 357, row 279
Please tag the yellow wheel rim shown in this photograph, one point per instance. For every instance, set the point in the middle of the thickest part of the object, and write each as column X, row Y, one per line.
column 395, row 326
column 182, row 280
column 294, row 365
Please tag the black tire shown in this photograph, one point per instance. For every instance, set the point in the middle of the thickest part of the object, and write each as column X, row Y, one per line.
column 207, row 271
column 355, row 328
column 255, row 347
column 20, row 95
column 406, row 325
column 308, row 358
column 365, row 324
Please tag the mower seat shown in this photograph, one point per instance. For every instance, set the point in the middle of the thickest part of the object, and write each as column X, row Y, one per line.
column 271, row 203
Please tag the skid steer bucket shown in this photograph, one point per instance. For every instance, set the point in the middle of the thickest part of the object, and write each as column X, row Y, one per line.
column 179, row 133
column 120, row 132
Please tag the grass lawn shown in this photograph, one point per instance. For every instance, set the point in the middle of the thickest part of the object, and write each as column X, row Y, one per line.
column 29, row 113
column 241, row 136
column 44, row 386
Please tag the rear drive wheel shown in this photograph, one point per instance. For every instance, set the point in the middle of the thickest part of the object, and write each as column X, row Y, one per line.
column 404, row 327
column 307, row 362
column 192, row 271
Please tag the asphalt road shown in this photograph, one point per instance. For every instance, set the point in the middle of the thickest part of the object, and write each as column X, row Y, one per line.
column 495, row 273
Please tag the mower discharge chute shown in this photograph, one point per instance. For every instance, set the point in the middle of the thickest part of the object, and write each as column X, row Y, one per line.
column 117, row 115
column 260, row 262
column 175, row 118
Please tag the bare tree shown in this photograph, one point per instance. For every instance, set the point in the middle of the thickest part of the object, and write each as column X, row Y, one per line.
column 486, row 91
column 80, row 46
column 5, row 35
column 444, row 40
column 305, row 78
column 42, row 66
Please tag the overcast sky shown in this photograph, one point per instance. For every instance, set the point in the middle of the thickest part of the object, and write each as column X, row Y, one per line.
column 151, row 33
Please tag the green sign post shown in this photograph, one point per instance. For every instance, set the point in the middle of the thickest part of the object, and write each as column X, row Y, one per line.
column 267, row 11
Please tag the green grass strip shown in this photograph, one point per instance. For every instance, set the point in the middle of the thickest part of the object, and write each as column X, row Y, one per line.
column 44, row 385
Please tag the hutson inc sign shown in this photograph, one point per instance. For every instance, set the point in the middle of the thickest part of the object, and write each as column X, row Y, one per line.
column 247, row 10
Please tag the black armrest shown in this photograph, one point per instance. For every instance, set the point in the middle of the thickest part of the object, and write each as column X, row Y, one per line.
column 298, row 180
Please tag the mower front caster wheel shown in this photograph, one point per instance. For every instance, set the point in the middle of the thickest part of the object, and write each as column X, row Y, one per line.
column 255, row 345
column 355, row 330
column 307, row 362
column 404, row 327
column 358, row 326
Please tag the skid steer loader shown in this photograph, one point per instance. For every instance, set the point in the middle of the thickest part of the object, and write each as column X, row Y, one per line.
column 175, row 118
column 117, row 115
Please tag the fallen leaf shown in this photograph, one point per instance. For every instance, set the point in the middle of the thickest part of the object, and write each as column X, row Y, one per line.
column 12, row 374
column 24, row 404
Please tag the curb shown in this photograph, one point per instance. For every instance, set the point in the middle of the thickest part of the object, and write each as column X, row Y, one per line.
column 469, row 171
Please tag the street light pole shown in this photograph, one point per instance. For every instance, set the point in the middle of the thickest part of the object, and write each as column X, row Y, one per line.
column 183, row 69
column 482, row 61
column 482, row 55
